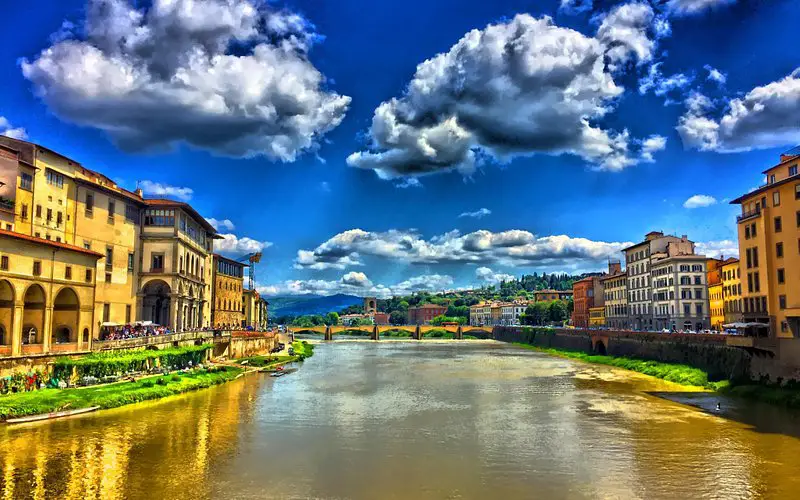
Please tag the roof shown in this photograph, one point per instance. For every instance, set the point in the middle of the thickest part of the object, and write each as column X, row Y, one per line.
column 791, row 155
column 228, row 259
column 428, row 306
column 161, row 202
column 636, row 245
column 50, row 243
column 766, row 187
column 615, row 275
column 550, row 290
column 730, row 260
column 101, row 182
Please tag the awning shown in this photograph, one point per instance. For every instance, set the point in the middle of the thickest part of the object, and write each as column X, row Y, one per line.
column 109, row 323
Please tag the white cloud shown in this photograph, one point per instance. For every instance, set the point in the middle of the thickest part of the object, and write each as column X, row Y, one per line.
column 692, row 7
column 715, row 75
column 652, row 144
column 520, row 87
column 699, row 201
column 487, row 276
column 409, row 182
column 575, row 6
column 660, row 85
column 234, row 246
column 228, row 76
column 223, row 224
column 719, row 248
column 359, row 284
column 8, row 130
column 765, row 117
column 478, row 214
column 151, row 188
column 510, row 248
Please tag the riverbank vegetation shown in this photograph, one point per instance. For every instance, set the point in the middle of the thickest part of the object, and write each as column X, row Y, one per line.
column 112, row 395
column 302, row 350
column 679, row 374
column 102, row 364
column 787, row 395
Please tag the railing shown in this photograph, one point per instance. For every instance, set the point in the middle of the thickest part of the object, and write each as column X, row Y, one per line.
column 101, row 345
column 749, row 215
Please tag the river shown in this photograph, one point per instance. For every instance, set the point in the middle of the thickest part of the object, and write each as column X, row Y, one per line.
column 404, row 420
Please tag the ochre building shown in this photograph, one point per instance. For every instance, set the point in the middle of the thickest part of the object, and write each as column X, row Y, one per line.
column 226, row 295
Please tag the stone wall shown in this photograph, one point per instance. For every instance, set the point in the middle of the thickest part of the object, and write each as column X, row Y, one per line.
column 707, row 352
column 242, row 347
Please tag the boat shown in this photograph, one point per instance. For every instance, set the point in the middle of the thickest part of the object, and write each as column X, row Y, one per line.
column 277, row 374
column 51, row 415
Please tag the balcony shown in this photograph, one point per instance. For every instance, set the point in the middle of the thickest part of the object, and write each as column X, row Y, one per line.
column 752, row 214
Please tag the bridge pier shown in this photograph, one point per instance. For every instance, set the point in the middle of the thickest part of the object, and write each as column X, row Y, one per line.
column 328, row 333
column 459, row 333
column 417, row 335
column 375, row 335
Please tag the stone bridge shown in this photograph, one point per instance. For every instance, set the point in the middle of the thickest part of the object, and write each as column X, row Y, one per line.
column 417, row 331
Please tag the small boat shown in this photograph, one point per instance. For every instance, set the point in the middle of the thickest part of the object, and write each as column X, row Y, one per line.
column 51, row 415
column 277, row 374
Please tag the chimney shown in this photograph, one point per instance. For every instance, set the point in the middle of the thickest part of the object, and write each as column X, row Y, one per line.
column 139, row 192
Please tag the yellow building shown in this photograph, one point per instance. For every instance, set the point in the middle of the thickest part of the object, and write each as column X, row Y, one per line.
column 731, row 291
column 175, row 280
column 597, row 316
column 716, row 306
column 615, row 294
column 55, row 198
column 227, row 292
column 769, row 249
column 550, row 295
column 251, row 309
column 47, row 291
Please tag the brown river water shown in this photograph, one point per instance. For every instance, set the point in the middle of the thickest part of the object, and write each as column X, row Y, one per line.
column 404, row 420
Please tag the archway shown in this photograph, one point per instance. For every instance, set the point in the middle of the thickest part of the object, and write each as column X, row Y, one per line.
column 156, row 302
column 66, row 308
column 33, row 315
column 6, row 312
column 600, row 347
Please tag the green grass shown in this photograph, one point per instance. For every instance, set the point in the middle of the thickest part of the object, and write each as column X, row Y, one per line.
column 439, row 334
column 111, row 395
column 788, row 397
column 679, row 374
column 302, row 350
column 396, row 333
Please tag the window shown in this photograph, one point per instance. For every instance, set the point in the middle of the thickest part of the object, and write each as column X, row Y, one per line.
column 49, row 214
column 687, row 309
column 698, row 280
column 753, row 229
column 68, row 273
column 26, row 181
column 88, row 276
column 158, row 217
column 89, row 204
column 127, row 313
column 39, row 211
column 24, row 213
column 37, row 268
column 130, row 261
column 4, row 263
column 793, row 170
column 782, row 301
column 108, row 277
column 750, row 282
column 797, row 191
column 781, row 276
column 109, row 258
column 771, row 179
column 778, row 225
column 755, row 256
column 756, row 282
column 779, row 249
column 54, row 178
column 38, row 234
column 776, row 198
column 87, row 244
column 157, row 263
column 699, row 309
column 106, row 312
column 59, row 219
column 111, row 209
column 797, row 215
column 747, row 232
column 132, row 213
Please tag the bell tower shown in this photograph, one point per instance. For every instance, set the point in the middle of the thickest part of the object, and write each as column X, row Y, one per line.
column 370, row 305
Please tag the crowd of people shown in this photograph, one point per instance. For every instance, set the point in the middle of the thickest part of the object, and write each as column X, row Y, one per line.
column 123, row 332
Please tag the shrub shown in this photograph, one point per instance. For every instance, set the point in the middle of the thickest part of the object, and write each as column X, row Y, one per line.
column 118, row 363
column 176, row 378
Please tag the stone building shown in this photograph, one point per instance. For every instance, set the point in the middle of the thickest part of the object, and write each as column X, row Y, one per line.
column 731, row 291
column 615, row 292
column 422, row 315
column 227, row 292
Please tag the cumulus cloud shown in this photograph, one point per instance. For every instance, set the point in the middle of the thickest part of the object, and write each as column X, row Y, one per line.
column 151, row 188
column 509, row 248
column 575, row 6
column 478, row 214
column 718, row 248
column 699, row 201
column 486, row 276
column 8, row 130
column 715, row 75
column 651, row 145
column 234, row 246
column 661, row 85
column 228, row 76
column 359, row 284
column 693, row 7
column 223, row 224
column 765, row 117
column 520, row 87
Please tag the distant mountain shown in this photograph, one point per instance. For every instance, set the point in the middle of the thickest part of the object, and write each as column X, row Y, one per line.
column 300, row 305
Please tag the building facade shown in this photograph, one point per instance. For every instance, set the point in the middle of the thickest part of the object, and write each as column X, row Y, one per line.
column 422, row 315
column 583, row 297
column 550, row 295
column 227, row 292
column 680, row 292
column 731, row 291
column 597, row 317
column 769, row 249
column 251, row 309
column 480, row 314
column 47, row 292
column 716, row 303
column 615, row 293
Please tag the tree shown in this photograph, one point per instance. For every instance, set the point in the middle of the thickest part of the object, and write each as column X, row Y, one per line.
column 397, row 318
column 535, row 314
column 454, row 311
column 557, row 311
column 332, row 319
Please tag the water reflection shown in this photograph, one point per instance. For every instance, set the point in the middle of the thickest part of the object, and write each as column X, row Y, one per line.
column 404, row 420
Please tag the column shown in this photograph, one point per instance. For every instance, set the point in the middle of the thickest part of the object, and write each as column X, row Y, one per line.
column 16, row 329
column 139, row 307
column 47, row 328
column 173, row 312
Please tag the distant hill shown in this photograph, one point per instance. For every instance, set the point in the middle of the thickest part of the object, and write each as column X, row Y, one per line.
column 300, row 305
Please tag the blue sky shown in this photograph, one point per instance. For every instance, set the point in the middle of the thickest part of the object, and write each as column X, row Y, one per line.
column 526, row 145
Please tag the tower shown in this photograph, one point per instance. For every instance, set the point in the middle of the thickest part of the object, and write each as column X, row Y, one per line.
column 370, row 305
